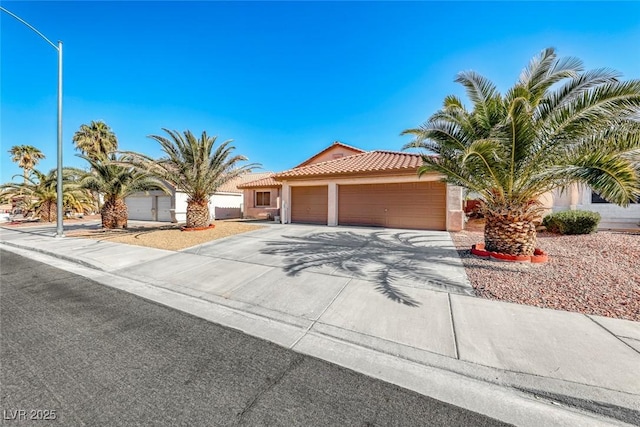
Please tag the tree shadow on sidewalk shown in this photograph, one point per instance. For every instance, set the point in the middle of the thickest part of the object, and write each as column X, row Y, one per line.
column 388, row 260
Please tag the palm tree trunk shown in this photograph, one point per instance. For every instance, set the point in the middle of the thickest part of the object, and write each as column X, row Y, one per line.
column 197, row 214
column 48, row 211
column 114, row 213
column 509, row 237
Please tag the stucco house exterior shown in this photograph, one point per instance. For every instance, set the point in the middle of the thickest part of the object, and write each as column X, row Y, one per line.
column 343, row 185
column 225, row 203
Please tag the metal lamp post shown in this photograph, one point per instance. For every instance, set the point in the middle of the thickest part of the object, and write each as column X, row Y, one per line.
column 59, row 226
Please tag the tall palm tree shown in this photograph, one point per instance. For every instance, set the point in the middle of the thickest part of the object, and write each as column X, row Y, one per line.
column 27, row 157
column 41, row 191
column 115, row 181
column 95, row 140
column 193, row 165
column 557, row 125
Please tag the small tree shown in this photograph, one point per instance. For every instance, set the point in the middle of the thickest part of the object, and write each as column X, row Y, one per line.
column 95, row 140
column 41, row 191
column 193, row 165
column 115, row 181
column 27, row 157
column 556, row 126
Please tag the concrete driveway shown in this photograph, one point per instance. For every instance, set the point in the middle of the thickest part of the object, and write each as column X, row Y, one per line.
column 392, row 260
column 348, row 282
column 396, row 263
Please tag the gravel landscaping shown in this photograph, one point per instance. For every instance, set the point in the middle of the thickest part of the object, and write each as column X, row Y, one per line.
column 591, row 274
column 168, row 236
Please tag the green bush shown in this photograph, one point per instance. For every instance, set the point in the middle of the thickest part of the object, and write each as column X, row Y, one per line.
column 572, row 222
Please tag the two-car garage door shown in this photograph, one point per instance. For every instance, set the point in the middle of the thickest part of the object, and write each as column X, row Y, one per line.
column 149, row 208
column 419, row 205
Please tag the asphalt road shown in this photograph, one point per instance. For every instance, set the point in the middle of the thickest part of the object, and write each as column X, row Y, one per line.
column 86, row 354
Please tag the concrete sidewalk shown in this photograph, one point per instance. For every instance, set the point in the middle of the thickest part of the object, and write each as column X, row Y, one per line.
column 520, row 364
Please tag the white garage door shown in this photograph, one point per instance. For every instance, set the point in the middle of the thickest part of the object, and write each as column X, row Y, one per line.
column 140, row 208
column 164, row 206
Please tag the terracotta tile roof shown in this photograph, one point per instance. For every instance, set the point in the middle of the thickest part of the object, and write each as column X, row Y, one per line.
column 372, row 161
column 335, row 143
column 267, row 181
column 233, row 186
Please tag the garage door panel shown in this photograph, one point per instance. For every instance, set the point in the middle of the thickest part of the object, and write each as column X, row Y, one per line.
column 403, row 205
column 164, row 208
column 310, row 204
column 140, row 208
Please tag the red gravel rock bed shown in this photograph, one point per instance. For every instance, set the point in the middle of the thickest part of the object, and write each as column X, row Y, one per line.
column 591, row 274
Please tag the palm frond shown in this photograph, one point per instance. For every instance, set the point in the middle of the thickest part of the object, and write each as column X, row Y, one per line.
column 556, row 126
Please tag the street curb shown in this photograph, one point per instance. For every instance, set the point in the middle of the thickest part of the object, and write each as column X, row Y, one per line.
column 52, row 254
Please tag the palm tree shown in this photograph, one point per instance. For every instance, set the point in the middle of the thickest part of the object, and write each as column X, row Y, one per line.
column 558, row 125
column 27, row 157
column 95, row 140
column 116, row 181
column 193, row 166
column 41, row 191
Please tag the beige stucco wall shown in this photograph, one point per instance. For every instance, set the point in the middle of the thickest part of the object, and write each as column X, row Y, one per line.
column 250, row 210
column 333, row 153
column 455, row 213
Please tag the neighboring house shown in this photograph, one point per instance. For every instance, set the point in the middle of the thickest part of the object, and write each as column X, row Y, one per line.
column 343, row 185
column 6, row 208
column 159, row 206
column 581, row 197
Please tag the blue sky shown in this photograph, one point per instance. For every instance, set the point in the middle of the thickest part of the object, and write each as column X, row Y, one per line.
column 282, row 79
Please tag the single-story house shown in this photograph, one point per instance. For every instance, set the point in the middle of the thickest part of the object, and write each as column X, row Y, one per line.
column 581, row 197
column 343, row 185
column 225, row 203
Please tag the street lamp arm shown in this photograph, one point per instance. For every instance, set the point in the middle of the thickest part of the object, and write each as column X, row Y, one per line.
column 30, row 26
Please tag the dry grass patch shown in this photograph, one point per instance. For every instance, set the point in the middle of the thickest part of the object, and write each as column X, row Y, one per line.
column 168, row 237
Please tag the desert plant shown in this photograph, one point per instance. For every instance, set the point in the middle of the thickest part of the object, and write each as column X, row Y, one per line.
column 95, row 140
column 27, row 157
column 115, row 181
column 556, row 126
column 41, row 193
column 193, row 165
column 572, row 222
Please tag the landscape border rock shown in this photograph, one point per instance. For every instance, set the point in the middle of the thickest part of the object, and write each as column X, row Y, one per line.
column 209, row 227
column 539, row 256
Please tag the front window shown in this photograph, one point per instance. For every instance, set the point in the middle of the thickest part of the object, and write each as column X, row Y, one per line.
column 595, row 198
column 263, row 198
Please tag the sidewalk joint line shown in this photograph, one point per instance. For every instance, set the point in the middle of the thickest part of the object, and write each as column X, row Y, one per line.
column 465, row 362
column 453, row 328
column 304, row 334
column 614, row 335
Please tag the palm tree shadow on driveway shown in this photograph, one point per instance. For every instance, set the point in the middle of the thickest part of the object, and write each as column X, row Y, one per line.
column 389, row 260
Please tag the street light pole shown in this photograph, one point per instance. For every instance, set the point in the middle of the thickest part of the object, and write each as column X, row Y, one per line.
column 59, row 225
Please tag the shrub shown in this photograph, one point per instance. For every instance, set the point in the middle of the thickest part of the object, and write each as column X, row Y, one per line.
column 572, row 222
